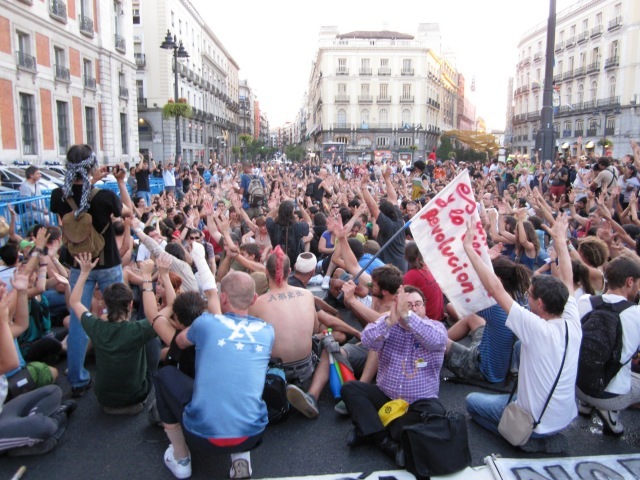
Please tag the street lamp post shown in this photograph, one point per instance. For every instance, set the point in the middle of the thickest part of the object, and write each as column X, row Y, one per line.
column 170, row 43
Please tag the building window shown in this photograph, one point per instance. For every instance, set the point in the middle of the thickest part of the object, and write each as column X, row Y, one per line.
column 612, row 86
column 124, row 137
column 568, row 101
column 580, row 93
column 405, row 141
column 383, row 141
column 90, row 126
column 136, row 16
column 594, row 90
column 28, row 124
column 383, row 115
column 406, row 117
column 62, row 112
column 173, row 19
column 342, row 118
column 384, row 90
column 406, row 90
column 364, row 117
column 364, row 89
column 579, row 128
column 342, row 65
column 342, row 88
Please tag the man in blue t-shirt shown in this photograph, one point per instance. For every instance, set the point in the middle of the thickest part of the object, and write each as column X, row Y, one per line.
column 221, row 410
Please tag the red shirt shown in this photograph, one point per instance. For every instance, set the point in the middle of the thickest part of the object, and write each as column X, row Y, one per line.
column 423, row 279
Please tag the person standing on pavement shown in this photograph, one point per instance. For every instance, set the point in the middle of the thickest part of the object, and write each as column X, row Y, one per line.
column 169, row 175
column 550, row 336
column 410, row 349
column 31, row 187
column 243, row 190
column 105, row 204
column 143, row 172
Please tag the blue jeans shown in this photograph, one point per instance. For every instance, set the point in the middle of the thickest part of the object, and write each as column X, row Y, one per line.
column 145, row 195
column 57, row 302
column 77, row 340
column 486, row 410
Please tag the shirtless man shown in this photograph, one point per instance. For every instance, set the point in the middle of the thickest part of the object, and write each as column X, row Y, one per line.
column 291, row 311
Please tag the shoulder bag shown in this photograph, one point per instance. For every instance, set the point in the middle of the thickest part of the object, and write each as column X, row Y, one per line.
column 516, row 425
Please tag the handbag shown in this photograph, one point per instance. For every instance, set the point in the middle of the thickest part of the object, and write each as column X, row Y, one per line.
column 439, row 445
column 516, row 425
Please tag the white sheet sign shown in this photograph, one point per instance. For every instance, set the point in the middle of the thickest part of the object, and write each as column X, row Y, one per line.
column 438, row 230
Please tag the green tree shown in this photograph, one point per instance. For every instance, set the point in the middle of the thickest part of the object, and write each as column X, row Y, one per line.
column 445, row 147
column 295, row 153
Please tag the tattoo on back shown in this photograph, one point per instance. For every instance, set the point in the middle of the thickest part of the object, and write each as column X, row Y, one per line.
column 274, row 297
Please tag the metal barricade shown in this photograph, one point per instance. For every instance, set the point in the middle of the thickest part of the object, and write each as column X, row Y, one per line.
column 29, row 212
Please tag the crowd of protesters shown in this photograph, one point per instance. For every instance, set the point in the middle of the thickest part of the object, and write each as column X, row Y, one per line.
column 216, row 269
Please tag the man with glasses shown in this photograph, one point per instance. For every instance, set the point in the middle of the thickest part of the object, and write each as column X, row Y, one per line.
column 410, row 349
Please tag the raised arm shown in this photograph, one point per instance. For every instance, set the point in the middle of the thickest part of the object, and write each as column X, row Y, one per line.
column 75, row 300
column 559, row 234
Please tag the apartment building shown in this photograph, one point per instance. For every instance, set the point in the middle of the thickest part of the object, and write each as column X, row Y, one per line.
column 596, row 78
column 67, row 76
column 207, row 79
column 381, row 93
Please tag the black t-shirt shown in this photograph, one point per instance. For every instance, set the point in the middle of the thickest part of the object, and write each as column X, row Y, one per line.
column 142, row 177
column 103, row 205
column 186, row 183
column 318, row 191
column 184, row 359
column 394, row 253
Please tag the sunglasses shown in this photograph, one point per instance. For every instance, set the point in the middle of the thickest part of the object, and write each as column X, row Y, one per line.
column 194, row 238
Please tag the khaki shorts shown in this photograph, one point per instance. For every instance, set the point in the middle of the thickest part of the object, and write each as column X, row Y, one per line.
column 463, row 361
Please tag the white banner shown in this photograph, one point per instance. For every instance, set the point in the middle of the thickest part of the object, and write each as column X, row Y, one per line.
column 438, row 229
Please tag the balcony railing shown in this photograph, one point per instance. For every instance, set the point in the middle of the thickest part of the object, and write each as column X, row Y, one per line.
column 58, row 10
column 609, row 102
column 142, row 103
column 557, row 78
column 535, row 86
column 406, row 71
column 342, row 71
column 89, row 82
column 566, row 133
column 580, row 72
column 342, row 98
column 141, row 59
column 593, row 67
column 611, row 62
column 26, row 61
column 559, row 46
column 615, row 23
column 123, row 92
column 537, row 56
column 385, row 99
column 406, row 99
column 384, row 71
column 86, row 25
column 609, row 130
column 533, row 115
column 578, row 133
column 526, row 60
column 571, row 41
column 596, row 31
column 365, row 98
column 62, row 73
column 567, row 75
column 120, row 43
column 592, row 132
column 435, row 104
column 365, row 71
column 583, row 37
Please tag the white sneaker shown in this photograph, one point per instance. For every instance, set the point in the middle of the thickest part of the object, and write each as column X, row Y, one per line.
column 179, row 468
column 325, row 282
column 610, row 422
column 240, row 468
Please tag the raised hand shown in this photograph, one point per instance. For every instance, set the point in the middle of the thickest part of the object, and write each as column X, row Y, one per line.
column 60, row 278
column 20, row 280
column 164, row 263
column 146, row 267
column 84, row 260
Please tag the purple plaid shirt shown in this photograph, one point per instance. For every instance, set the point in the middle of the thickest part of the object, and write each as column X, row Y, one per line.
column 410, row 360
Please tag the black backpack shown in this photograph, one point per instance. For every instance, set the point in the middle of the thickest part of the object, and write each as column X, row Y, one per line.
column 275, row 394
column 286, row 238
column 601, row 346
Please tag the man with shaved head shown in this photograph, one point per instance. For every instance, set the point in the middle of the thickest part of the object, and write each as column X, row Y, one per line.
column 221, row 410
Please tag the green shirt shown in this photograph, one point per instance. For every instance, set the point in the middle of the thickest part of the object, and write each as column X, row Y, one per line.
column 121, row 362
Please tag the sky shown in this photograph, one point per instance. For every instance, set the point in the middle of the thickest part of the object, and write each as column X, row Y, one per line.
column 275, row 42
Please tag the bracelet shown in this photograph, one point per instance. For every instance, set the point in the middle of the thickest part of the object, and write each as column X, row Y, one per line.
column 43, row 265
column 147, row 281
column 154, row 320
column 147, row 290
column 42, row 276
